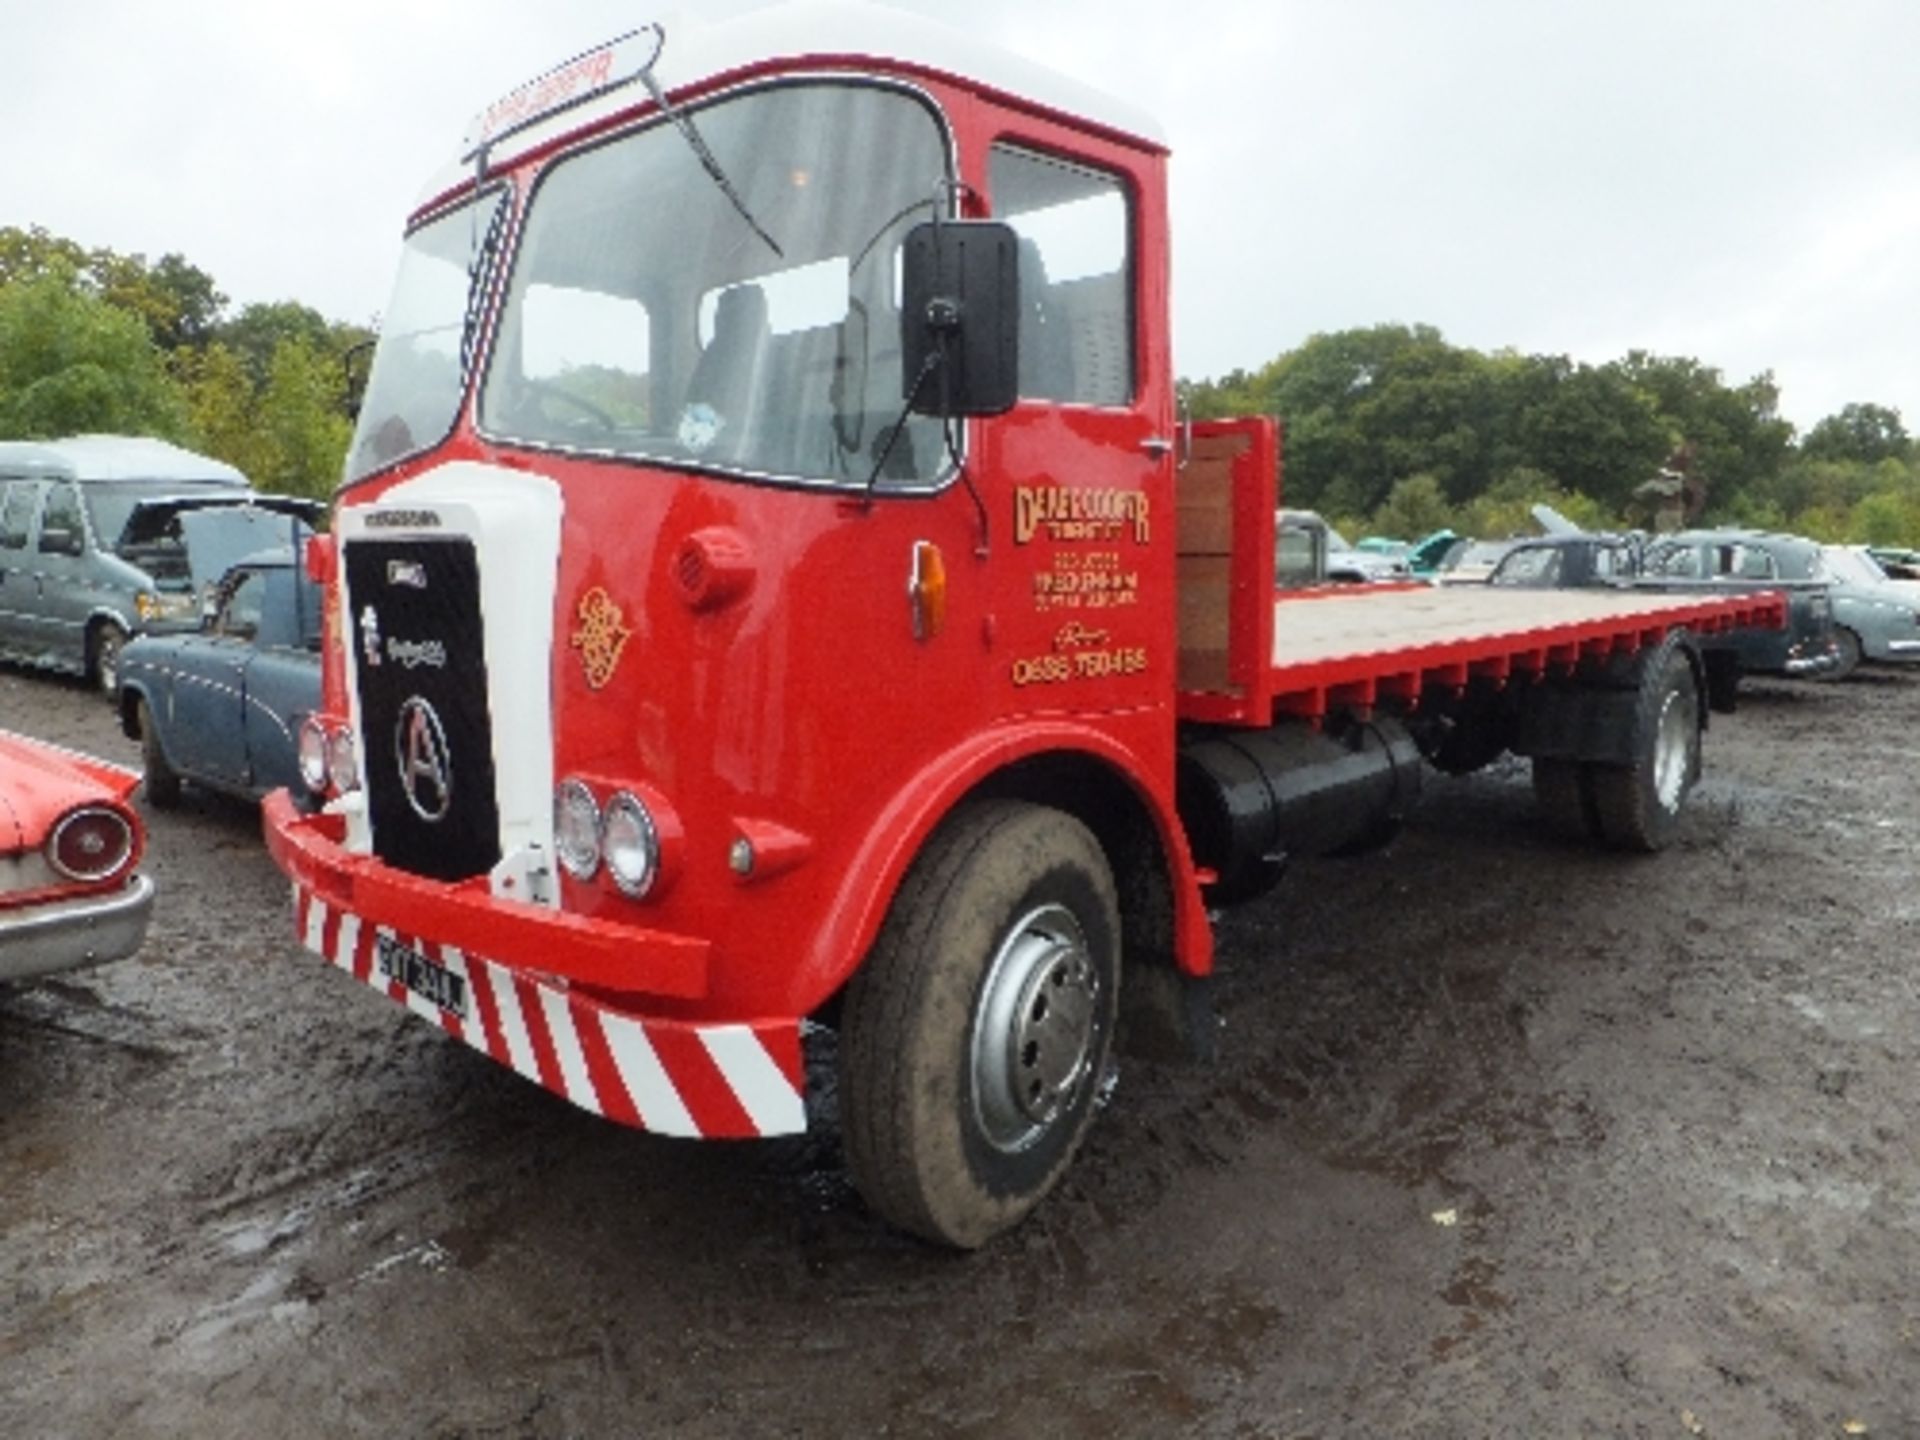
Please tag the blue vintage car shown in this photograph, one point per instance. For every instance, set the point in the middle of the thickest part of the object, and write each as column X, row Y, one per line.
column 221, row 706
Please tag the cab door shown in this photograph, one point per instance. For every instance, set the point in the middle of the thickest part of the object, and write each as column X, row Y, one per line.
column 19, row 501
column 206, row 733
column 1083, row 461
column 65, row 588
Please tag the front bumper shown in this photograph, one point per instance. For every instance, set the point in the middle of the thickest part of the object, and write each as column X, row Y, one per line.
column 71, row 934
column 518, row 966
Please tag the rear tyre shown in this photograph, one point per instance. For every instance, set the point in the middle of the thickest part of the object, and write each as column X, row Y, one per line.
column 1846, row 646
column 103, row 658
column 1637, row 806
column 974, row 1038
column 163, row 781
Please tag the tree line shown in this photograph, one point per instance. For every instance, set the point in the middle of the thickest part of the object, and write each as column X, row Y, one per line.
column 92, row 341
column 1391, row 430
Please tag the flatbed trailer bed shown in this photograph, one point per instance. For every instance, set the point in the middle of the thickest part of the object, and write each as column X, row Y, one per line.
column 1249, row 656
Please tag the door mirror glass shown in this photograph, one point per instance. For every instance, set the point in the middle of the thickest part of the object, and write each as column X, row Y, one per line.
column 960, row 318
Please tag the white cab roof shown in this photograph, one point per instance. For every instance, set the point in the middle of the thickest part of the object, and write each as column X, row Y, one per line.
column 833, row 32
column 112, row 457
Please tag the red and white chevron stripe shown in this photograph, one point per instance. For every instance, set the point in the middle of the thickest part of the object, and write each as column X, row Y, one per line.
column 671, row 1077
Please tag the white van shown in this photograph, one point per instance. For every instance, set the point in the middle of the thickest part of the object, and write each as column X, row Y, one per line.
column 78, row 572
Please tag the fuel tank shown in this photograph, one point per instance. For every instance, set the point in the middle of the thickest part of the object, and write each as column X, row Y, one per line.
column 1251, row 798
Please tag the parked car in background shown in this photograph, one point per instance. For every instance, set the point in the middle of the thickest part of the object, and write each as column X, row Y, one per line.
column 1569, row 561
column 1715, row 561
column 1876, row 617
column 222, row 706
column 70, row 890
column 1898, row 562
column 1309, row 551
column 1427, row 554
column 105, row 536
column 1471, row 562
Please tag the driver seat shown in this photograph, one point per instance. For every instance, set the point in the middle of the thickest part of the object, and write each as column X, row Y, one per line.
column 726, row 374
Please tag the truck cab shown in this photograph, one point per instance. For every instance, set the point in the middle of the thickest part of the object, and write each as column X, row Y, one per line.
column 667, row 629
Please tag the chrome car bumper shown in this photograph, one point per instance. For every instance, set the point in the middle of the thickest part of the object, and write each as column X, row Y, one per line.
column 1800, row 666
column 68, row 934
column 1904, row 647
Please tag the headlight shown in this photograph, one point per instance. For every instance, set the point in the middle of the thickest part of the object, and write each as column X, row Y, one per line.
column 149, row 606
column 576, row 829
column 631, row 844
column 343, row 760
column 90, row 843
column 313, row 754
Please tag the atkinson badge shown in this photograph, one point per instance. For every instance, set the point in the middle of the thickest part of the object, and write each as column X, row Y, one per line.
column 426, row 765
column 602, row 635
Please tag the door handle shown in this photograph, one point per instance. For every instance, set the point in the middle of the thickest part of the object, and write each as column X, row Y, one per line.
column 1158, row 446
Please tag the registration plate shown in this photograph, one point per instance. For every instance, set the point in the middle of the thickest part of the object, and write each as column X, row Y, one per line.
column 429, row 979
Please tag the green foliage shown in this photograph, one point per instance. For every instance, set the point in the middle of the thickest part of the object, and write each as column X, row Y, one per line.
column 1415, row 507
column 91, row 340
column 1866, row 433
column 176, row 301
column 71, row 363
column 1367, row 412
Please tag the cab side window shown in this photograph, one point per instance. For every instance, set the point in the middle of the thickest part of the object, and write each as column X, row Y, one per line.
column 1076, row 276
column 63, row 531
column 16, row 512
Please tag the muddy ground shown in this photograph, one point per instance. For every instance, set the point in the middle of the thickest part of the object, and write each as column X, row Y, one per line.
column 1506, row 1138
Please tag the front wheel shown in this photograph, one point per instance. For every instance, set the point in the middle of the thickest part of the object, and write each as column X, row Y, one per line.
column 104, row 656
column 163, row 781
column 974, row 1038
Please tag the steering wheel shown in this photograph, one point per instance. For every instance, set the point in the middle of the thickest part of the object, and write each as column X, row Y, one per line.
column 547, row 390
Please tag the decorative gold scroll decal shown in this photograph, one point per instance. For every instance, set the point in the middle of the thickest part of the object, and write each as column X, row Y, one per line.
column 601, row 637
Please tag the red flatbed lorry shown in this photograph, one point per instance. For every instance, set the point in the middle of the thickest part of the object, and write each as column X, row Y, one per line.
column 771, row 595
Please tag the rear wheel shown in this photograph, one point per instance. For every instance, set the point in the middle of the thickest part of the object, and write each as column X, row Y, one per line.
column 103, row 656
column 1846, row 646
column 974, row 1038
column 1637, row 806
column 163, row 781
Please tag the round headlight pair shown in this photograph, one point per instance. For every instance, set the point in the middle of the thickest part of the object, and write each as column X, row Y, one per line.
column 328, row 756
column 622, row 837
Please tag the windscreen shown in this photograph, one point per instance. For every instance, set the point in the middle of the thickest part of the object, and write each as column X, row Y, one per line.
column 651, row 314
column 426, row 336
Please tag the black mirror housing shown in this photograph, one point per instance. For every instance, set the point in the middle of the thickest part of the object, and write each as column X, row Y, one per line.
column 960, row 318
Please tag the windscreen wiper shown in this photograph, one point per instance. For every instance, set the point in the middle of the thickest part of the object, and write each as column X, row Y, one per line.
column 684, row 124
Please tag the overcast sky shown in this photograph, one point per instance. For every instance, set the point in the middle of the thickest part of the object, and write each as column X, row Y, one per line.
column 1739, row 182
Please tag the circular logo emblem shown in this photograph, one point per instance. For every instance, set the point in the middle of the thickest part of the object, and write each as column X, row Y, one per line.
column 426, row 765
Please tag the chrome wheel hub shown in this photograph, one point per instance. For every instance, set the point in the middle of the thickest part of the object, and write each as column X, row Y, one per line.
column 1036, row 1028
column 1672, row 750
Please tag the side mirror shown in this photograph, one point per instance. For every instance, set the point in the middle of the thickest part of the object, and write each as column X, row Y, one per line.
column 960, row 318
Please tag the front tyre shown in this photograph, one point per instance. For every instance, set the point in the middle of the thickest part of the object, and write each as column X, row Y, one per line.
column 163, row 781
column 103, row 657
column 974, row 1038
